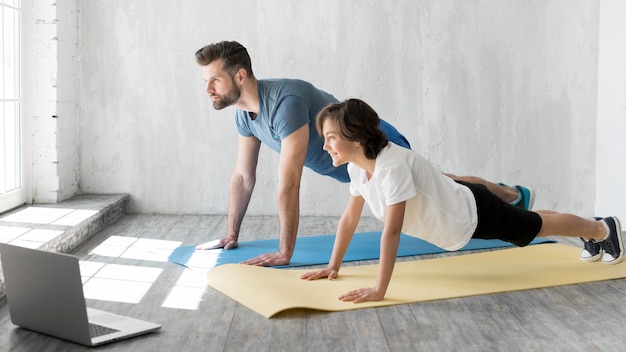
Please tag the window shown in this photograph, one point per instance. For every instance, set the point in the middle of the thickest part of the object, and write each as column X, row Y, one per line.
column 12, row 181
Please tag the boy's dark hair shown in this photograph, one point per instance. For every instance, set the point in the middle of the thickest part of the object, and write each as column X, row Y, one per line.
column 357, row 122
column 234, row 56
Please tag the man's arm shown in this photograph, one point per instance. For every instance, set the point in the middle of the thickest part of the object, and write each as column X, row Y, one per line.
column 240, row 190
column 292, row 155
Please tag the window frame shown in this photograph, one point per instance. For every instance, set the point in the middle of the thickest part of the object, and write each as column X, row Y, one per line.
column 23, row 193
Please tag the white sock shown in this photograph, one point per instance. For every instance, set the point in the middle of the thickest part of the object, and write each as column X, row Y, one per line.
column 519, row 196
column 608, row 231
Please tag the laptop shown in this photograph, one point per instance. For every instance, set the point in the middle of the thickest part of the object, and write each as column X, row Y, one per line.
column 45, row 294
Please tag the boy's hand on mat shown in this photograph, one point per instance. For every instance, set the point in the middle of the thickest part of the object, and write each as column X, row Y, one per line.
column 362, row 295
column 268, row 259
column 314, row 275
column 226, row 243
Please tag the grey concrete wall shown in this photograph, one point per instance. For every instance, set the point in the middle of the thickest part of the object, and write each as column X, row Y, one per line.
column 503, row 89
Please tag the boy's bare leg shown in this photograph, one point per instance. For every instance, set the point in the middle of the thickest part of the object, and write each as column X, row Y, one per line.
column 602, row 237
column 569, row 225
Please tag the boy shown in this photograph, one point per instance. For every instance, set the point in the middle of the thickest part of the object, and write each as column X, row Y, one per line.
column 409, row 195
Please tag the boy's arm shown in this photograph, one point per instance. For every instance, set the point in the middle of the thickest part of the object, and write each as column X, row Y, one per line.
column 389, row 242
column 345, row 230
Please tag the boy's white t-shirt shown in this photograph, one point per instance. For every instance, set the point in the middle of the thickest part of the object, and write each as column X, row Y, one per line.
column 438, row 209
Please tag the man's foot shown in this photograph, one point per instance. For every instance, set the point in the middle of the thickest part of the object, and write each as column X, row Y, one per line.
column 613, row 245
column 526, row 198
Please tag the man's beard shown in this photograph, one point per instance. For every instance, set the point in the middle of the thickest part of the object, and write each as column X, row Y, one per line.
column 228, row 99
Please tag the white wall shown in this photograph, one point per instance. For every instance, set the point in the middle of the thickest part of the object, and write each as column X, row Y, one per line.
column 54, row 120
column 506, row 90
column 611, row 127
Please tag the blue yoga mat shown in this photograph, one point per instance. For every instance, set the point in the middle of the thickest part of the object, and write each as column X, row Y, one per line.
column 317, row 250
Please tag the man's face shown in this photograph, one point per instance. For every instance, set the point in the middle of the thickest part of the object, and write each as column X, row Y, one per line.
column 221, row 87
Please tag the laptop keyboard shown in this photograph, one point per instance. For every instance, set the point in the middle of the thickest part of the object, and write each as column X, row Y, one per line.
column 99, row 330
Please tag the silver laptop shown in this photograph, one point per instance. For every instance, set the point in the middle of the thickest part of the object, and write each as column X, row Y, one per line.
column 45, row 294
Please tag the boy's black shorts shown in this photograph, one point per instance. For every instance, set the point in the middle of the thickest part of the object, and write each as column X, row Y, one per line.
column 498, row 219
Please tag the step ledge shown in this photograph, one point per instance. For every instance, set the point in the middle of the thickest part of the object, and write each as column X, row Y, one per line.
column 108, row 209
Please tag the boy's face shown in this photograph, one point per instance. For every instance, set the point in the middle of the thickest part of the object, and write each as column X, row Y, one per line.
column 340, row 150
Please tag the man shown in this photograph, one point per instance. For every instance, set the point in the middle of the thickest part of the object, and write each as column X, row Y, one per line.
column 281, row 113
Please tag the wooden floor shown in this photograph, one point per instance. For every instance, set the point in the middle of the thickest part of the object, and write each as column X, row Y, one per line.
column 586, row 317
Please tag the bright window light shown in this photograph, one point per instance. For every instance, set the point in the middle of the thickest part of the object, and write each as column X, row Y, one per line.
column 181, row 297
column 115, row 290
column 136, row 248
column 118, row 283
column 9, row 232
column 204, row 259
column 187, row 292
column 40, row 235
column 38, row 215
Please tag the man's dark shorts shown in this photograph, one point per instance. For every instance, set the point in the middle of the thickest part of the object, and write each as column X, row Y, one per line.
column 498, row 219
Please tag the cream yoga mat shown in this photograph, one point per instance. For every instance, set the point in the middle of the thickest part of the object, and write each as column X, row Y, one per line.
column 269, row 291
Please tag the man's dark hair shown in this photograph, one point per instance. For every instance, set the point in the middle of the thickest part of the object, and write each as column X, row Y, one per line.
column 234, row 56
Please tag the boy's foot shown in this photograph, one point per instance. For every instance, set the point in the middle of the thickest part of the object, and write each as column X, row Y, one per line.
column 613, row 245
column 526, row 197
column 592, row 250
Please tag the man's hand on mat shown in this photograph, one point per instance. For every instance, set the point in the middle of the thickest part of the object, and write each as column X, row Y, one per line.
column 226, row 243
column 268, row 259
column 331, row 274
column 362, row 295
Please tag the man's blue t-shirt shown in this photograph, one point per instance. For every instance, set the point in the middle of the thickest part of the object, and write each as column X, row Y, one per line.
column 288, row 104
